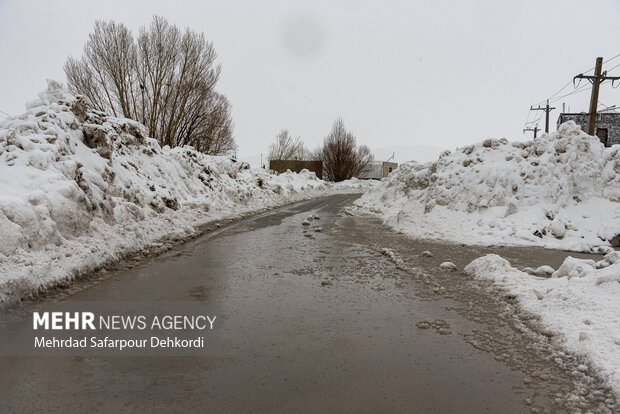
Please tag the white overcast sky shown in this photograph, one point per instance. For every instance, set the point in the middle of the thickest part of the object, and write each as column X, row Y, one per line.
column 443, row 73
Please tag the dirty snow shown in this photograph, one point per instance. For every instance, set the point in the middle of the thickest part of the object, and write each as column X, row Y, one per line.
column 80, row 189
column 448, row 266
column 561, row 190
column 578, row 303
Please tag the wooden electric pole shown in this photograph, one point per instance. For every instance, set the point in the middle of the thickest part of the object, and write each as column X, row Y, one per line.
column 535, row 129
column 547, row 109
column 596, row 80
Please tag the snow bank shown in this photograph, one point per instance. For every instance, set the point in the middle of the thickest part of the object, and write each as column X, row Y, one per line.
column 579, row 303
column 79, row 189
column 561, row 190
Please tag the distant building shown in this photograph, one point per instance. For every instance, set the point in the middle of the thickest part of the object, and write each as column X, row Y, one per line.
column 377, row 170
column 282, row 166
column 607, row 125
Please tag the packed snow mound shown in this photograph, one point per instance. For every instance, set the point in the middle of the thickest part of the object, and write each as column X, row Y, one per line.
column 579, row 304
column 79, row 188
column 559, row 190
column 574, row 268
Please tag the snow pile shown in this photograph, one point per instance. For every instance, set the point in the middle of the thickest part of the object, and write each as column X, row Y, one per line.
column 579, row 303
column 79, row 189
column 561, row 190
column 355, row 185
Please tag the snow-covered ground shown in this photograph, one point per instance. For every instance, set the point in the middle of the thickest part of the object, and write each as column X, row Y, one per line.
column 80, row 189
column 579, row 303
column 561, row 190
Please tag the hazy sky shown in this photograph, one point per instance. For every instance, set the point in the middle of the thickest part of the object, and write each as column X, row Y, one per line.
column 443, row 73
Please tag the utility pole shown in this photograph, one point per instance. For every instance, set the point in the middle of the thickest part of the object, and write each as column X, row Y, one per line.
column 547, row 109
column 596, row 80
column 535, row 129
column 596, row 83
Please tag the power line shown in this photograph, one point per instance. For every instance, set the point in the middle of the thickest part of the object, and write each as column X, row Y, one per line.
column 535, row 121
column 560, row 90
column 607, row 107
column 546, row 109
column 528, row 116
column 571, row 81
column 535, row 130
column 580, row 89
column 527, row 119
column 609, row 70
column 611, row 58
column 596, row 80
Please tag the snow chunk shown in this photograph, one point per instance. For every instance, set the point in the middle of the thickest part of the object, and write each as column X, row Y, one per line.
column 544, row 271
column 572, row 267
column 558, row 227
column 448, row 266
column 608, row 275
column 487, row 266
column 612, row 257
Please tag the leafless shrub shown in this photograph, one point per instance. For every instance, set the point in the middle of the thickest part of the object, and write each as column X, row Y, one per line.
column 164, row 79
column 342, row 158
column 288, row 148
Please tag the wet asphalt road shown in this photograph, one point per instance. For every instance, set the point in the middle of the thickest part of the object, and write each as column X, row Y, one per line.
column 293, row 345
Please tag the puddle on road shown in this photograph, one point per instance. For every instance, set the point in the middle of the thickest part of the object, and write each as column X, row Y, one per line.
column 552, row 380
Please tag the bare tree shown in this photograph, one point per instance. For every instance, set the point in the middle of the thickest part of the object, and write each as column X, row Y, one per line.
column 342, row 158
column 106, row 72
column 287, row 148
column 210, row 130
column 165, row 79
